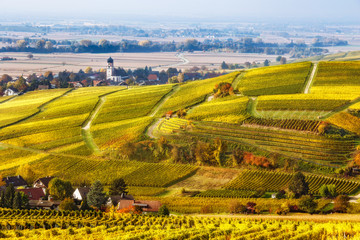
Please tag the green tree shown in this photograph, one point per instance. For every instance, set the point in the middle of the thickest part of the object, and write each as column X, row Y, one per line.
column 21, row 84
column 60, row 189
column 24, row 200
column 2, row 200
column 68, row 204
column 278, row 58
column 307, row 204
column 224, row 65
column 173, row 79
column 298, row 185
column 283, row 60
column 17, row 201
column 164, row 211
column 5, row 78
column 266, row 63
column 96, row 196
column 118, row 186
column 84, row 205
column 328, row 191
column 9, row 196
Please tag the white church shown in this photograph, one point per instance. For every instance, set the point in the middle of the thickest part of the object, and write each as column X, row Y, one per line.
column 111, row 72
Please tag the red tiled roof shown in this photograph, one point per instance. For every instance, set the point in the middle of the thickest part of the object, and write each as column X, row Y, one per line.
column 152, row 77
column 32, row 193
column 152, row 206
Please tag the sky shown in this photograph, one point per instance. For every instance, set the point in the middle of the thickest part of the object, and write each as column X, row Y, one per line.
column 191, row 10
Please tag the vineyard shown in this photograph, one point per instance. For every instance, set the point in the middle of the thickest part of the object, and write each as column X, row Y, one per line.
column 230, row 109
column 291, row 124
column 227, row 194
column 309, row 102
column 300, row 145
column 133, row 103
column 194, row 92
column 168, row 126
column 24, row 106
column 284, row 79
column 276, row 181
column 35, row 224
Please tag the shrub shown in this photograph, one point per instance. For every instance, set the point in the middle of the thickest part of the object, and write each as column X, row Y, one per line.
column 164, row 211
column 236, row 207
column 307, row 204
column 328, row 191
column 341, row 203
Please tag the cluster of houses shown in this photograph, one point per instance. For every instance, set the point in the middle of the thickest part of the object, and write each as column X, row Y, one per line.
column 39, row 199
column 114, row 76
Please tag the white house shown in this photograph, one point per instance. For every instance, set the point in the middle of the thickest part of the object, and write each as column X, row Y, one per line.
column 11, row 92
column 81, row 193
column 111, row 72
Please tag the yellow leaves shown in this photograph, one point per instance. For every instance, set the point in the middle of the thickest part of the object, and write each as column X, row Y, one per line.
column 346, row 121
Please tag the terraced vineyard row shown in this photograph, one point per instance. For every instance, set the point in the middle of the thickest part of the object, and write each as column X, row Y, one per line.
column 284, row 79
column 309, row 147
column 276, row 181
column 58, row 127
column 168, row 126
column 35, row 224
column 227, row 194
column 300, row 102
column 194, row 92
column 26, row 105
column 230, row 109
column 292, row 124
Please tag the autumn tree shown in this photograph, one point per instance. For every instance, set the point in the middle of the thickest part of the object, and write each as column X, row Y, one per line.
column 60, row 189
column 88, row 70
column 68, row 204
column 223, row 89
column 26, row 172
column 86, row 42
column 341, row 203
column 21, row 84
column 104, row 43
column 204, row 153
column 40, row 44
column 49, row 45
column 220, row 151
column 163, row 211
column 5, row 78
column 21, row 43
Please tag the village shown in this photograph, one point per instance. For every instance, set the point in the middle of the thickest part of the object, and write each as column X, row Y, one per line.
column 109, row 76
column 17, row 193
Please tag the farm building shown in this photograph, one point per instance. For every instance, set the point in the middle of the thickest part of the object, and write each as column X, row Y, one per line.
column 16, row 181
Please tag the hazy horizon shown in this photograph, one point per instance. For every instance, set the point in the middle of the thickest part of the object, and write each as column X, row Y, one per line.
column 112, row 11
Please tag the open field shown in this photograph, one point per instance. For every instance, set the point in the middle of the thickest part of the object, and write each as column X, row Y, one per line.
column 74, row 62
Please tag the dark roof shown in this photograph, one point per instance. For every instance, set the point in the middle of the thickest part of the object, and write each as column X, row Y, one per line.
column 110, row 60
column 83, row 191
column 117, row 198
column 12, row 88
column 45, row 181
column 33, row 193
column 15, row 180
